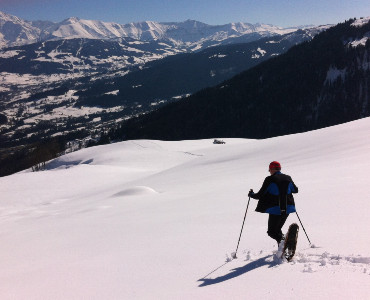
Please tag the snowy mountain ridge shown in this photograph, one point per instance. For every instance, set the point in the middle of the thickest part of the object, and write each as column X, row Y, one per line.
column 15, row 31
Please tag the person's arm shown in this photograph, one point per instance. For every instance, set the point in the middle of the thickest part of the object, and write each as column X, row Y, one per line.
column 262, row 190
column 295, row 188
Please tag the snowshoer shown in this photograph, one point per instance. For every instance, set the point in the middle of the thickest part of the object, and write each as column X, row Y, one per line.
column 275, row 198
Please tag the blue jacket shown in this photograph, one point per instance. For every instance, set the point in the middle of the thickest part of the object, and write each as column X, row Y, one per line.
column 276, row 195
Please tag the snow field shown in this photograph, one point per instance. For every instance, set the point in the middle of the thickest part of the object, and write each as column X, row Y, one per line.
column 158, row 220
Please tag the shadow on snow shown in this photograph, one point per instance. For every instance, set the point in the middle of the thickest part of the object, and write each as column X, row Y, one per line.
column 263, row 261
column 55, row 164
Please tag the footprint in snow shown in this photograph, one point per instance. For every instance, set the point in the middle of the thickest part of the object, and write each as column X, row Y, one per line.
column 314, row 260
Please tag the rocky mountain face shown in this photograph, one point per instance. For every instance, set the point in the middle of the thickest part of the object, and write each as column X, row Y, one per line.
column 319, row 83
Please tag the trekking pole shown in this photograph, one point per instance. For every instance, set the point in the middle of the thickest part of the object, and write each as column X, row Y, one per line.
column 303, row 227
column 233, row 255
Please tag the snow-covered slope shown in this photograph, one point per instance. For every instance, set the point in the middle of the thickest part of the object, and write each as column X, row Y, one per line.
column 156, row 220
column 79, row 28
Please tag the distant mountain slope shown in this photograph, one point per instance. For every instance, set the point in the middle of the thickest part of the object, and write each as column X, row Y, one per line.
column 74, row 54
column 109, row 68
column 78, row 56
column 316, row 84
column 187, row 73
column 48, row 105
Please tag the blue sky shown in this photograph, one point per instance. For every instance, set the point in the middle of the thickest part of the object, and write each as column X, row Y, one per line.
column 282, row 13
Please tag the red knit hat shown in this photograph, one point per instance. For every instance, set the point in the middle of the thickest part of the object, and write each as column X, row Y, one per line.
column 275, row 165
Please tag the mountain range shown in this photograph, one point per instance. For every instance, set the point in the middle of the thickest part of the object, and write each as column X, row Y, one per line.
column 74, row 87
column 82, row 77
column 193, row 35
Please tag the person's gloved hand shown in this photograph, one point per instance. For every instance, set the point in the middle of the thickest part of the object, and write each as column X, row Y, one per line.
column 250, row 193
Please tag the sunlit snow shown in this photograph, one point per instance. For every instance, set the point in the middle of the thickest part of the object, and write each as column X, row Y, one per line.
column 150, row 219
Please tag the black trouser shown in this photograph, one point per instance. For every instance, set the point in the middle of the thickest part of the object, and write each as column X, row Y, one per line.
column 275, row 223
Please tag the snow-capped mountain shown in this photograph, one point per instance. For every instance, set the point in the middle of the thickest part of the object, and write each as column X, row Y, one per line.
column 79, row 28
column 15, row 31
column 192, row 34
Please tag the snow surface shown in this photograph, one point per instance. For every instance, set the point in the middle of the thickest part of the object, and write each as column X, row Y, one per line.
column 9, row 53
column 158, row 220
column 361, row 22
column 360, row 42
column 260, row 51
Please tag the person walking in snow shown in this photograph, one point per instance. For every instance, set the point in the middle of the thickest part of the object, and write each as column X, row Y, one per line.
column 275, row 198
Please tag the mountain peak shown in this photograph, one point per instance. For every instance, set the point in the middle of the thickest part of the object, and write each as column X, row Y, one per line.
column 195, row 24
column 71, row 20
column 4, row 17
column 15, row 31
